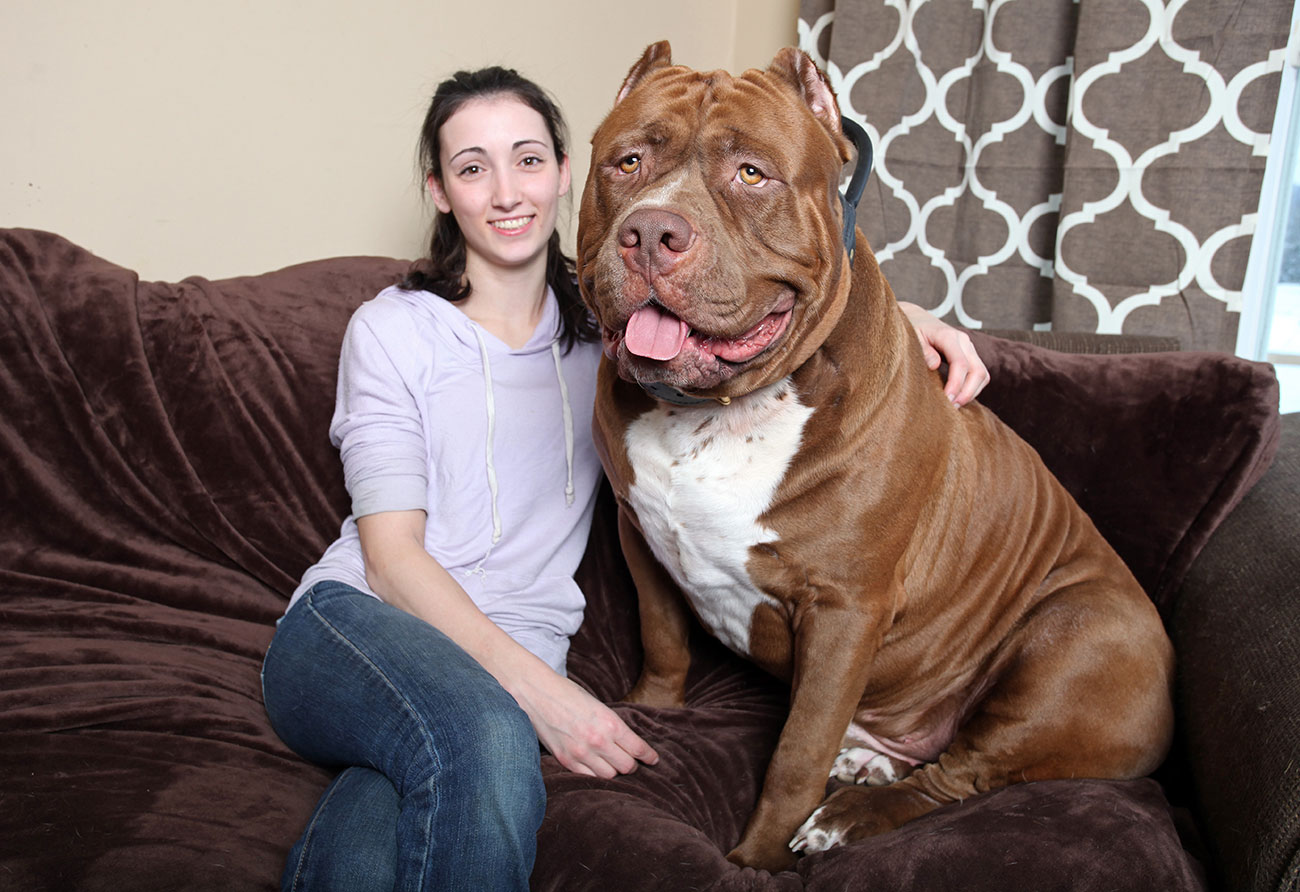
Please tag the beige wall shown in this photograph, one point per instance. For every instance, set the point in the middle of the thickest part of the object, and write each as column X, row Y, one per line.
column 180, row 137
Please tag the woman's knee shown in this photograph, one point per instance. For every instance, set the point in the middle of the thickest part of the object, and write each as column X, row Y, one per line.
column 496, row 742
column 478, row 790
column 508, row 774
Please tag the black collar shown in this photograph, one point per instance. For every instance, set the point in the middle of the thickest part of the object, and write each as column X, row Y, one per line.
column 861, row 171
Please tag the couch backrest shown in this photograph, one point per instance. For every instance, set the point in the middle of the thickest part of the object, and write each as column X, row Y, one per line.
column 1156, row 447
column 154, row 432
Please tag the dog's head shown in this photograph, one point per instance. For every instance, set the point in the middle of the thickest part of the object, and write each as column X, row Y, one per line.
column 710, row 243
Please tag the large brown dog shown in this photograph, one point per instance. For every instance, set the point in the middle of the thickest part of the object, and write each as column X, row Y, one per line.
column 948, row 618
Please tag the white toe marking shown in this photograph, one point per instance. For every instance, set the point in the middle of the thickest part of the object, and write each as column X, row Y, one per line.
column 811, row 838
column 849, row 761
column 880, row 769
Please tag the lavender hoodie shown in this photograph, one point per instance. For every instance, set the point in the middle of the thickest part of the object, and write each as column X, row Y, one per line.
column 434, row 412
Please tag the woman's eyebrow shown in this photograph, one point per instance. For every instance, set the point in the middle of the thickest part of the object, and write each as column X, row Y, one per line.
column 481, row 151
column 469, row 150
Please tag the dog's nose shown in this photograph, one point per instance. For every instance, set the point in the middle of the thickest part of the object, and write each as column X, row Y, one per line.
column 652, row 239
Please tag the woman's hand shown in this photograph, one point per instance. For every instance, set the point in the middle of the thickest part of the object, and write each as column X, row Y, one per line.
column 941, row 342
column 584, row 734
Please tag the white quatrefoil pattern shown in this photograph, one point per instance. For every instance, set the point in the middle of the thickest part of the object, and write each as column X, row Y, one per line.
column 1077, row 165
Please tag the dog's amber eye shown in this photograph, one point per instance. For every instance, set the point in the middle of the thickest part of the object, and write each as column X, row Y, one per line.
column 750, row 175
column 630, row 164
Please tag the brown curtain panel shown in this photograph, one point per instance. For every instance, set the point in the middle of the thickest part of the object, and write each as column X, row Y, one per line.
column 1079, row 166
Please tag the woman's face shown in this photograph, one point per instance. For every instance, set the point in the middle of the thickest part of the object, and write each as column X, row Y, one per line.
column 501, row 180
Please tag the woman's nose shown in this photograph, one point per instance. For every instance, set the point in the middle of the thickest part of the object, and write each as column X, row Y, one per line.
column 505, row 190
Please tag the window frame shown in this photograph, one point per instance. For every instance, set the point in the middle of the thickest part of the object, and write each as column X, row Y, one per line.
column 1264, row 266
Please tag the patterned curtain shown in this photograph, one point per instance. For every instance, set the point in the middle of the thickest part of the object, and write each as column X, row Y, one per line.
column 1075, row 165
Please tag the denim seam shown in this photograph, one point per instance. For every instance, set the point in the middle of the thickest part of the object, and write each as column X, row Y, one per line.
column 306, row 837
column 419, row 722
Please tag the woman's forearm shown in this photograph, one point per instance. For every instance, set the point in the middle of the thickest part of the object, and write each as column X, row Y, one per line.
column 405, row 575
column 584, row 734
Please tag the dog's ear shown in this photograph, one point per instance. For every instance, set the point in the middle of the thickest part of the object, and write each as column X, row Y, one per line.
column 797, row 67
column 656, row 55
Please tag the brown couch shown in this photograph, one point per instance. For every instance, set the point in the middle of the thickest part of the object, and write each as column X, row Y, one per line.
column 165, row 476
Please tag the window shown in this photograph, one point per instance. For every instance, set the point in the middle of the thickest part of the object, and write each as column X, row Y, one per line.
column 1284, row 327
column 1270, row 318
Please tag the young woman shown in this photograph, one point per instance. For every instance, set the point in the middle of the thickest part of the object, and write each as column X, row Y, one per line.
column 424, row 653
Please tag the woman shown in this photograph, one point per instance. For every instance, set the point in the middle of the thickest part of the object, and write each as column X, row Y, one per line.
column 425, row 652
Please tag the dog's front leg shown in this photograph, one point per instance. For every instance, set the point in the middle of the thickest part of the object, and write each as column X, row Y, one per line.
column 665, row 623
column 832, row 659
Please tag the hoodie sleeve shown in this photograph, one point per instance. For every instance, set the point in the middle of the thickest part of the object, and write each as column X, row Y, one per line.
column 376, row 425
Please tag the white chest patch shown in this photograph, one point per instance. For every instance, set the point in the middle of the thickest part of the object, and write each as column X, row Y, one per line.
column 704, row 477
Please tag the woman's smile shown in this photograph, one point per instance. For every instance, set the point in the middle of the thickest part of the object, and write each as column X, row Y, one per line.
column 512, row 225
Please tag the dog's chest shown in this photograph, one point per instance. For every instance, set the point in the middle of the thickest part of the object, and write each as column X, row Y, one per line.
column 704, row 478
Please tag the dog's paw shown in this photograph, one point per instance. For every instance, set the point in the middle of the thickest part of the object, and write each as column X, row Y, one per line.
column 812, row 837
column 774, row 861
column 846, row 816
column 860, row 765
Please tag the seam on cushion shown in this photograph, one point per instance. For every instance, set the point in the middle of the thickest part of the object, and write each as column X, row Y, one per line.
column 424, row 731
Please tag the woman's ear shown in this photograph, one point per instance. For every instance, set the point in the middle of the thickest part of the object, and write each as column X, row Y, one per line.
column 435, row 192
column 565, row 175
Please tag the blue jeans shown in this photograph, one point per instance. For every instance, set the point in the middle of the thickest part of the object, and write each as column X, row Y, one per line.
column 442, row 785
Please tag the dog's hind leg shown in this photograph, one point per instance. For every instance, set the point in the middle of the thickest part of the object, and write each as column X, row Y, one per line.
column 1082, row 690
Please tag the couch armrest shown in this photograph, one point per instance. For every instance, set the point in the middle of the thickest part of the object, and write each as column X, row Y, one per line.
column 1236, row 630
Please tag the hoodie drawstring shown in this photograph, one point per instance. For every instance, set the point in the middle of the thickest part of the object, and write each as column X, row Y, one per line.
column 491, row 435
column 568, row 422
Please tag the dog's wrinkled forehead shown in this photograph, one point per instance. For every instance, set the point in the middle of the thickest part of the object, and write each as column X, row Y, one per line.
column 683, row 116
column 783, row 97
column 682, row 100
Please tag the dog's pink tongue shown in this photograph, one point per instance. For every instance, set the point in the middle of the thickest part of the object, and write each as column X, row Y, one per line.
column 655, row 334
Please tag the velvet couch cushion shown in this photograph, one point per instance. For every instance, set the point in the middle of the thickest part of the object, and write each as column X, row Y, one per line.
column 167, row 477
column 1157, row 448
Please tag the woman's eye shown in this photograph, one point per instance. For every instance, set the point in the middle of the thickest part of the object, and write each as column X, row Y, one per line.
column 750, row 175
column 470, row 170
column 630, row 164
